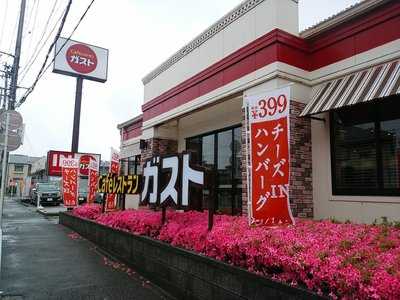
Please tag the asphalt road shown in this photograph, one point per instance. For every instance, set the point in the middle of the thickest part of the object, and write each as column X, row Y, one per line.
column 45, row 260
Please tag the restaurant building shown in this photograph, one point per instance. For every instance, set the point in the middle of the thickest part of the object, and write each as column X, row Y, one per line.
column 344, row 77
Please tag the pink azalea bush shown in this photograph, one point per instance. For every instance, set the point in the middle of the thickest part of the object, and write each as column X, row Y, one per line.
column 86, row 211
column 346, row 261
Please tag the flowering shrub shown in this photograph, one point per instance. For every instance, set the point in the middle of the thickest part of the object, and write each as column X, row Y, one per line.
column 347, row 261
column 87, row 211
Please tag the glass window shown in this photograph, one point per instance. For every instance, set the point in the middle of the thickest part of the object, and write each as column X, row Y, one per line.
column 207, row 155
column 390, row 141
column 138, row 169
column 123, row 166
column 131, row 165
column 366, row 149
column 18, row 168
column 225, row 155
column 221, row 151
column 225, row 172
column 194, row 146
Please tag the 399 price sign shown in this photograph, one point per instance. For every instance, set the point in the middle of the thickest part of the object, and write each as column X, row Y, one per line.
column 268, row 118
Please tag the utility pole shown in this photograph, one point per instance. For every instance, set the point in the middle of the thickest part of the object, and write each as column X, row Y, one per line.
column 7, row 76
column 11, row 105
column 17, row 55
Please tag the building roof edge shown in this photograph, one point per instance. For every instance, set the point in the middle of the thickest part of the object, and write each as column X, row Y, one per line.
column 211, row 31
column 346, row 14
column 130, row 121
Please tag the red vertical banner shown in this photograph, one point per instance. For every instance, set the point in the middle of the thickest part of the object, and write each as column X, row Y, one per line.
column 92, row 181
column 70, row 170
column 269, row 157
column 111, row 201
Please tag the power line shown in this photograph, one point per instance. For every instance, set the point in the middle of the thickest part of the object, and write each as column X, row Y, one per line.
column 13, row 33
column 34, row 54
column 4, row 23
column 29, row 15
column 28, row 66
column 31, row 28
column 44, row 67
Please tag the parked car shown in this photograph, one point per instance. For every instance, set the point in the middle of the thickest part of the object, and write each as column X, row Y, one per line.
column 48, row 192
column 99, row 198
column 82, row 190
column 83, row 193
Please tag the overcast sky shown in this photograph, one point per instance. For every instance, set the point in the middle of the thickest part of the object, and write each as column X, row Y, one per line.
column 140, row 35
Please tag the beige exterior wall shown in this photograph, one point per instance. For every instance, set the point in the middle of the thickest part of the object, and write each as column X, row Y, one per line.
column 255, row 23
column 225, row 114
column 18, row 177
column 130, row 147
column 12, row 174
column 355, row 208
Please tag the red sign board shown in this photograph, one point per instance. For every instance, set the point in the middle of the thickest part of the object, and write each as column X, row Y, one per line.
column 54, row 159
column 81, row 58
column 268, row 116
column 70, row 176
column 92, row 182
column 114, row 169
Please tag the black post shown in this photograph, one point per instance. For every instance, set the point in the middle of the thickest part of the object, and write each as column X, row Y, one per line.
column 103, row 204
column 211, row 198
column 163, row 215
column 123, row 201
column 77, row 115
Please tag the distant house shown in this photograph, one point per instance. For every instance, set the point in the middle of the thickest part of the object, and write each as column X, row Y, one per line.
column 19, row 169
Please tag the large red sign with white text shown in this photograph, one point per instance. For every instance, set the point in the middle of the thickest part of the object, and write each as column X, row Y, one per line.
column 70, row 175
column 54, row 159
column 268, row 117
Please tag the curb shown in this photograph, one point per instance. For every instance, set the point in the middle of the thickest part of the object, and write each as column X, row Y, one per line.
column 47, row 214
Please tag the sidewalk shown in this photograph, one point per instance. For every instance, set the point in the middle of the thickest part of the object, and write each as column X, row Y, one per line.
column 52, row 210
column 44, row 260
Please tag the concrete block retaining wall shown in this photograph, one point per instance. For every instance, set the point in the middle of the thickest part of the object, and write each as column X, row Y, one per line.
column 182, row 273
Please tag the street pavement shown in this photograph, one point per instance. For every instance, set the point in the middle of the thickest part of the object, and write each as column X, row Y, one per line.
column 45, row 260
column 52, row 210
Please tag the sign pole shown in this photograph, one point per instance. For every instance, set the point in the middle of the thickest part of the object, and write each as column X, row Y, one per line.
column 3, row 171
column 3, row 181
column 77, row 115
column 211, row 198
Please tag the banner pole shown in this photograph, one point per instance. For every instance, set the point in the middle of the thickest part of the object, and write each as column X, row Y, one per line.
column 248, row 168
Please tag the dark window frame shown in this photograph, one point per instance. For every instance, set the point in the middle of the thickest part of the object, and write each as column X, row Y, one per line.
column 380, row 190
column 130, row 163
column 20, row 169
column 234, row 182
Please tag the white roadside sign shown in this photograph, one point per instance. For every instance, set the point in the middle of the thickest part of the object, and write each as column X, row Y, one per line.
column 80, row 60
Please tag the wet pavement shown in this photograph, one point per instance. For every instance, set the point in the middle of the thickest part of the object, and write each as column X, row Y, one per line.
column 45, row 260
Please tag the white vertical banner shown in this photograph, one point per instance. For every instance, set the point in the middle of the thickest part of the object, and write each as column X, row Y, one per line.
column 268, row 157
